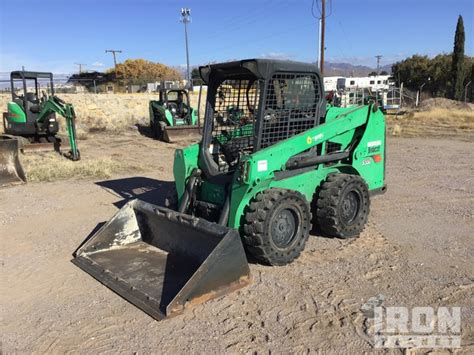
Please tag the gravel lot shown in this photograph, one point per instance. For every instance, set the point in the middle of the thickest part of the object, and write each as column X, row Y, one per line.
column 416, row 251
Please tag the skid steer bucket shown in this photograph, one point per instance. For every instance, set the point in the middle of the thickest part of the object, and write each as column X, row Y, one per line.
column 11, row 171
column 177, row 133
column 164, row 261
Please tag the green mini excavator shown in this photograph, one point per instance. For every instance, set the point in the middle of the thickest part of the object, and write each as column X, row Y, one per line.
column 30, row 123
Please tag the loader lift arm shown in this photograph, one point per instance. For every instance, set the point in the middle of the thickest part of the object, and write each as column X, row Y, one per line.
column 293, row 150
column 54, row 104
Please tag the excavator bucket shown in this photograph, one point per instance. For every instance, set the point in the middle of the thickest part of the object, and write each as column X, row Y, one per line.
column 177, row 133
column 163, row 261
column 11, row 171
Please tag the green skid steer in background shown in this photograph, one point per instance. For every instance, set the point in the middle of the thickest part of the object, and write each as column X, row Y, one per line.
column 30, row 124
column 172, row 117
column 258, row 181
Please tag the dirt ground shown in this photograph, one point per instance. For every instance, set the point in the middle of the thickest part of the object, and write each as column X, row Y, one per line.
column 417, row 250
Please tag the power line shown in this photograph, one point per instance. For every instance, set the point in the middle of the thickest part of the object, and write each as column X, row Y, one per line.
column 238, row 23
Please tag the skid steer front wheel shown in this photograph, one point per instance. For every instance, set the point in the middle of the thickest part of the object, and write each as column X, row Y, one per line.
column 277, row 225
column 343, row 205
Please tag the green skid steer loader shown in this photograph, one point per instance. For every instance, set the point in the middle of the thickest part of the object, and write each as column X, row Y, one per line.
column 30, row 124
column 172, row 117
column 255, row 182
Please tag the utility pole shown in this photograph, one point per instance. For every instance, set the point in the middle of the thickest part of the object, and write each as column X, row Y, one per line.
column 80, row 66
column 378, row 62
column 323, row 26
column 113, row 51
column 377, row 77
column 186, row 18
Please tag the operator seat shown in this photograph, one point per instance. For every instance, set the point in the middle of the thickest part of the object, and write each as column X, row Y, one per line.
column 32, row 102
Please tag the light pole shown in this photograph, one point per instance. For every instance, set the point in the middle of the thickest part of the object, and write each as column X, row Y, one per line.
column 378, row 57
column 465, row 90
column 418, row 99
column 186, row 18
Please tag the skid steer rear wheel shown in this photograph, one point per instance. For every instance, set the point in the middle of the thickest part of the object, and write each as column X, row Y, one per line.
column 276, row 226
column 343, row 205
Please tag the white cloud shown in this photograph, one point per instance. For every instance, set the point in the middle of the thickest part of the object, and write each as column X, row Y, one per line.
column 276, row 55
column 97, row 64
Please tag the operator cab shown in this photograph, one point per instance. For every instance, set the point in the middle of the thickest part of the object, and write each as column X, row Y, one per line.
column 30, row 89
column 177, row 102
column 253, row 104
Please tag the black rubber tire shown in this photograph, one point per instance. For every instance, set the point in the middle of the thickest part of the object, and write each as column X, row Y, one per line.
column 157, row 130
column 171, row 199
column 161, row 130
column 152, row 128
column 268, row 215
column 343, row 205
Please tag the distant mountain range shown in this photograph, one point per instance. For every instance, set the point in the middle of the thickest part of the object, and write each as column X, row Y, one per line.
column 334, row 69
column 346, row 69
column 331, row 69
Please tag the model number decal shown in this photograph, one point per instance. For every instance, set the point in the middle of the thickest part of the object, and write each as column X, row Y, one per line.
column 374, row 146
column 374, row 143
column 366, row 162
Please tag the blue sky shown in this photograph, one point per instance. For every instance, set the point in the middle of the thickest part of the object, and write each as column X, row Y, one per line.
column 54, row 34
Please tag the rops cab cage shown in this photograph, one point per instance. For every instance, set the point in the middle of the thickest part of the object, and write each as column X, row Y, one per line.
column 253, row 104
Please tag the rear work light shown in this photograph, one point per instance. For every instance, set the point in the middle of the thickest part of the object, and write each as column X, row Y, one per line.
column 377, row 158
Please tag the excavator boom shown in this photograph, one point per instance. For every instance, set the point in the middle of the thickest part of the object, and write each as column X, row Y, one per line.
column 55, row 105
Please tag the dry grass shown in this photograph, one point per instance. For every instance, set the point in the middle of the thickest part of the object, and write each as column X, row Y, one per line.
column 447, row 116
column 52, row 167
column 434, row 122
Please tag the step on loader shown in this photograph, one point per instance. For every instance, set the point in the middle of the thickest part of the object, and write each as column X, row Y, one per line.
column 274, row 160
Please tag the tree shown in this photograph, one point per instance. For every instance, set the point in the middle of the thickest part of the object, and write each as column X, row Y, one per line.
column 373, row 73
column 383, row 72
column 457, row 70
column 412, row 72
column 141, row 71
column 440, row 74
